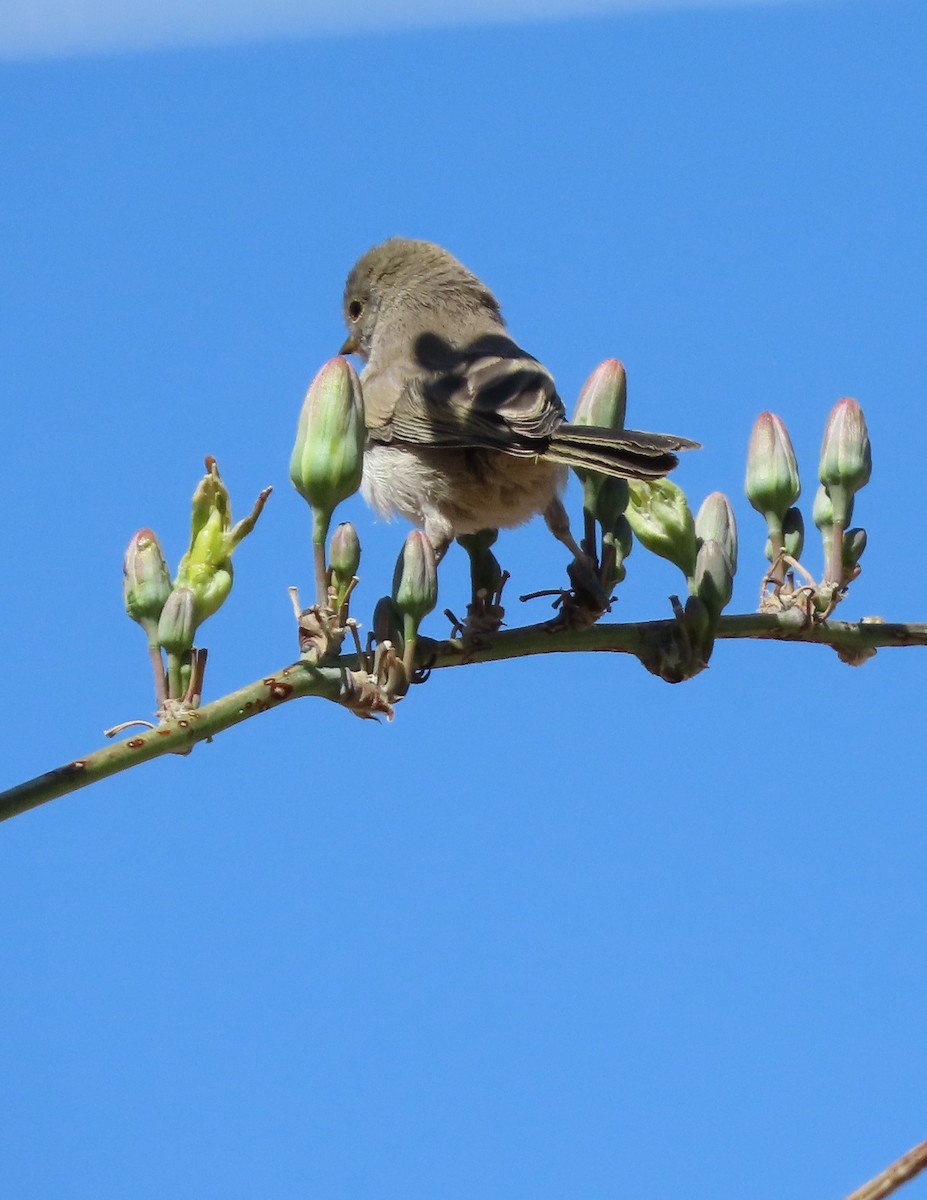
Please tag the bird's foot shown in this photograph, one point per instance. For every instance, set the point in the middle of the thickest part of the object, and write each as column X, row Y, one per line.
column 485, row 617
column 584, row 603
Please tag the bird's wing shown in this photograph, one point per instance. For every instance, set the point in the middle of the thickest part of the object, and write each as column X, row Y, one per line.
column 490, row 395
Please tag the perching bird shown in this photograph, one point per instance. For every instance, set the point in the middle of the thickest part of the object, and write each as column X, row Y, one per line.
column 465, row 430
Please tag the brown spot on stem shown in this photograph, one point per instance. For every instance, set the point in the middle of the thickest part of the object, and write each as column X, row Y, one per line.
column 136, row 743
column 279, row 691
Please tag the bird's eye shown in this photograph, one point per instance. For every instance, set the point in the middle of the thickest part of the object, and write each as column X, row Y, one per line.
column 355, row 308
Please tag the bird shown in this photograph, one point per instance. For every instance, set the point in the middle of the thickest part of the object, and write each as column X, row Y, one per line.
column 465, row 429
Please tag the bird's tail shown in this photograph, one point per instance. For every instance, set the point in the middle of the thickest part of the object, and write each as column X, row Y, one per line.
column 623, row 452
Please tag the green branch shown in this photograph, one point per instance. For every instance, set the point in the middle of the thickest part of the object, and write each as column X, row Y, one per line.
column 655, row 643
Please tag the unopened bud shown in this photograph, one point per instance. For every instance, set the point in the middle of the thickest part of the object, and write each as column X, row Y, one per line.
column 328, row 457
column 387, row 623
column 177, row 625
column 415, row 581
column 604, row 397
column 344, row 552
column 698, row 622
column 793, row 535
column 146, row 580
column 846, row 454
column 662, row 520
column 602, row 403
column 854, row 543
column 822, row 512
column 715, row 523
column 714, row 577
column 771, row 483
column 846, row 457
column 605, row 497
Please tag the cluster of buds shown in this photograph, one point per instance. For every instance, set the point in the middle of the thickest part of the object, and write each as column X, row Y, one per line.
column 705, row 551
column 171, row 612
column 772, row 486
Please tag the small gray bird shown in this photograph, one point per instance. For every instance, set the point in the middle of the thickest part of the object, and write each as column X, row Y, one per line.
column 465, row 430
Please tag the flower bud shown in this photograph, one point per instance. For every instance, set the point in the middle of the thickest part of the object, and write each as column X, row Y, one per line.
column 177, row 625
column 387, row 624
column 715, row 523
column 846, row 454
column 206, row 568
column 604, row 397
column 822, row 513
column 328, row 457
column 793, row 535
column 698, row 622
column 602, row 403
column 771, row 483
column 605, row 497
column 146, row 581
column 854, row 543
column 344, row 553
column 714, row 577
column 660, row 517
column 415, row 581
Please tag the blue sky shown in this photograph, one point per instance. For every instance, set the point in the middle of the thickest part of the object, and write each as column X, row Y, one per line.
column 560, row 930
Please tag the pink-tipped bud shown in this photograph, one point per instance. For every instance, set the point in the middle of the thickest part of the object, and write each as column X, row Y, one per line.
column 771, row 482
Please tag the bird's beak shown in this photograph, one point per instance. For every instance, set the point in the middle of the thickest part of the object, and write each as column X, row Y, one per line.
column 350, row 345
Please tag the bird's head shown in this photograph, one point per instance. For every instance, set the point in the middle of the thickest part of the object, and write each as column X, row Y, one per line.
column 401, row 277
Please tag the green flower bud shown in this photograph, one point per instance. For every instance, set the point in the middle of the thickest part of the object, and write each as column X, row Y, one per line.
column 771, row 483
column 846, row 454
column 146, row 581
column 344, row 553
column 605, row 497
column 621, row 539
column 415, row 581
column 793, row 535
column 602, row 403
column 854, row 543
column 328, row 457
column 846, row 462
column 714, row 577
column 604, row 397
column 822, row 513
column 715, row 523
column 387, row 625
column 206, row 568
column 177, row 625
column 660, row 517
column 698, row 622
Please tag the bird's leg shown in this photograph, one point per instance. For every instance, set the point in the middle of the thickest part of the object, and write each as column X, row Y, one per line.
column 555, row 515
column 586, row 600
column 485, row 611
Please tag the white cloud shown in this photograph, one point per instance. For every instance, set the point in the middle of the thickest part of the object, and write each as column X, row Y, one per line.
column 45, row 28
